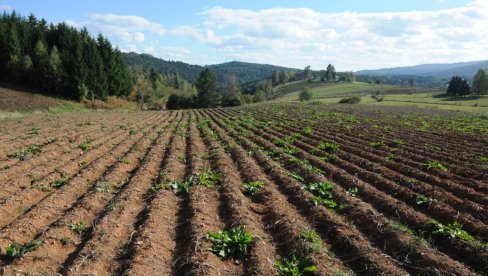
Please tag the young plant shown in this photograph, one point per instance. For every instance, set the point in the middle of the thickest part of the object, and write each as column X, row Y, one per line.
column 234, row 243
column 311, row 240
column 321, row 193
column 307, row 131
column 14, row 250
column 79, row 227
column 65, row 240
column 294, row 267
column 207, row 178
column 327, row 146
column 58, row 183
column 434, row 165
column 354, row 191
column 251, row 188
column 422, row 200
column 453, row 230
column 85, row 145
column 377, row 144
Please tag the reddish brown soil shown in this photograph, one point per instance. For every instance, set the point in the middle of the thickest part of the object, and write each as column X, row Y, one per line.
column 382, row 229
column 15, row 100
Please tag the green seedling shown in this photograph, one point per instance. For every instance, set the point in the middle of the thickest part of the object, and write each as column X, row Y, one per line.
column 354, row 191
column 52, row 140
column 327, row 146
column 103, row 187
column 453, row 230
column 132, row 132
column 85, row 145
column 82, row 164
column 58, row 183
column 14, row 250
column 207, row 178
column 296, row 176
column 311, row 240
column 79, row 227
column 434, row 165
column 294, row 267
column 234, row 243
column 33, row 132
column 23, row 154
column 307, row 131
column 377, row 144
column 321, row 193
column 66, row 241
column 422, row 200
column 123, row 160
column 251, row 188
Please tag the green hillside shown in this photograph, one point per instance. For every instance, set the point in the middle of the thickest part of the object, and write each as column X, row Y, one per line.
column 246, row 72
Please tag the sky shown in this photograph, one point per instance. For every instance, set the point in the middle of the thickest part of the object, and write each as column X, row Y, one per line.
column 350, row 34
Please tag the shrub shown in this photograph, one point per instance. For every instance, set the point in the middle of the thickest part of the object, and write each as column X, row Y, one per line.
column 305, row 95
column 350, row 100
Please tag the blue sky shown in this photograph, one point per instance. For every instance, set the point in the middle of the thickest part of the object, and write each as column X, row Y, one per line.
column 351, row 34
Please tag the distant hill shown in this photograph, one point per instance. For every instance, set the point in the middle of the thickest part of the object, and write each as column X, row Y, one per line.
column 244, row 71
column 465, row 69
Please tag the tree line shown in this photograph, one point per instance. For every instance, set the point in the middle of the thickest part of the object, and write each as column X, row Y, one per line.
column 61, row 60
column 459, row 86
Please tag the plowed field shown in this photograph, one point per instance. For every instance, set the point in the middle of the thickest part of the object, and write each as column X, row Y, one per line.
column 345, row 190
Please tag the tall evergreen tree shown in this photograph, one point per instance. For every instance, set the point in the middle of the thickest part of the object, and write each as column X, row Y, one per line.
column 207, row 89
column 480, row 82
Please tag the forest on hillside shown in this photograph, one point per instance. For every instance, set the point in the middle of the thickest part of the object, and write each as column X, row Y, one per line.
column 60, row 60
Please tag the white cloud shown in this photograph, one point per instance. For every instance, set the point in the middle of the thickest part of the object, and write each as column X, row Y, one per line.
column 126, row 28
column 5, row 8
column 301, row 36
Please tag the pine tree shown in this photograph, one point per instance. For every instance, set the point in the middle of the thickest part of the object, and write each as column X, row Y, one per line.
column 207, row 88
column 480, row 82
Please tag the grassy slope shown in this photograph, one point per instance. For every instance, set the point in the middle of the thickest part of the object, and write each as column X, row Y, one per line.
column 16, row 103
column 394, row 96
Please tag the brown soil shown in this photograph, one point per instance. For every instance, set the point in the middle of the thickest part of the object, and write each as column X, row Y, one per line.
column 381, row 229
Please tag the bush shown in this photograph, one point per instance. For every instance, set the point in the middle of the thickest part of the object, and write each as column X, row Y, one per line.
column 180, row 102
column 350, row 100
column 305, row 95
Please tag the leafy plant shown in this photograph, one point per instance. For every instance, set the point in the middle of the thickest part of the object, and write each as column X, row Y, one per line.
column 307, row 131
column 233, row 243
column 85, row 145
column 434, row 165
column 207, row 178
column 123, row 160
column 132, row 132
column 421, row 200
column 58, row 183
column 65, row 240
column 294, row 267
column 453, row 230
column 377, row 144
column 311, row 240
column 79, row 227
column 33, row 132
column 103, row 187
column 52, row 140
column 322, row 193
column 327, row 146
column 15, row 251
column 354, row 191
column 23, row 154
column 251, row 188
column 296, row 176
